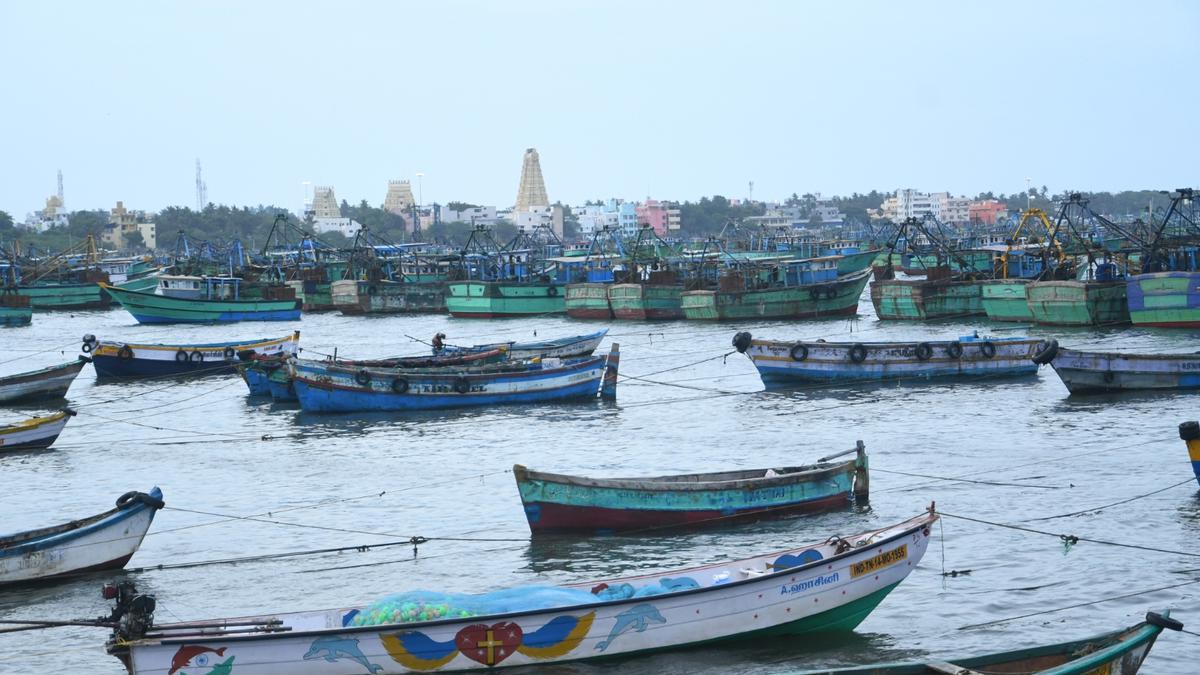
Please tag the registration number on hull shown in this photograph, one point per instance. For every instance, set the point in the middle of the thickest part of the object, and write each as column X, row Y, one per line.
column 879, row 562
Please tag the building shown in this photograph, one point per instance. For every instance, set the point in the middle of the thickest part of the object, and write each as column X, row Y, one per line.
column 616, row 215
column 122, row 223
column 540, row 217
column 348, row 227
column 532, row 191
column 479, row 215
column 674, row 220
column 399, row 198
column 53, row 215
column 652, row 213
column 909, row 203
column 987, row 211
column 325, row 203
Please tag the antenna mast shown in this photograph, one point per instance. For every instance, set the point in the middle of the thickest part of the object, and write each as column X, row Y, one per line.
column 201, row 188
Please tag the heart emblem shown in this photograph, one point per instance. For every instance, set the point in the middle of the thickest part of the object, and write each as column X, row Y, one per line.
column 489, row 645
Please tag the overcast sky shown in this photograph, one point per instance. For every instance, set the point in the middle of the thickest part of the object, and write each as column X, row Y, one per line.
column 672, row 100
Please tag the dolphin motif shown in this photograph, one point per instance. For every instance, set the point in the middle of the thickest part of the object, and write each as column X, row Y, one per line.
column 188, row 652
column 638, row 617
column 335, row 648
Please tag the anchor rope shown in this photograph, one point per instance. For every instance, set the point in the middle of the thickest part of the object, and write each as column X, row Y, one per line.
column 1078, row 604
column 1071, row 539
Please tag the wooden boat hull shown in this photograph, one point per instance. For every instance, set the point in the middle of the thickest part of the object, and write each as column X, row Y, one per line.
column 805, row 590
column 47, row 383
column 1189, row 432
column 780, row 362
column 646, row 302
column 35, row 433
column 16, row 316
column 588, row 301
column 827, row 299
column 1118, row 653
column 388, row 297
column 922, row 300
column 323, row 387
column 145, row 284
column 558, row 503
column 1004, row 299
column 1100, row 372
column 66, row 296
column 1078, row 303
column 496, row 299
column 280, row 386
column 128, row 360
column 560, row 348
column 1164, row 299
column 151, row 308
column 856, row 262
column 104, row 541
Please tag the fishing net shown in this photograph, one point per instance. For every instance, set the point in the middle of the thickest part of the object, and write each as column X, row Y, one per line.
column 414, row 606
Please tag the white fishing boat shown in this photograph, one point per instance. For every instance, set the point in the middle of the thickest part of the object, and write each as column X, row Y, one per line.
column 50, row 382
column 34, row 433
column 968, row 356
column 827, row 586
column 104, row 541
column 1085, row 372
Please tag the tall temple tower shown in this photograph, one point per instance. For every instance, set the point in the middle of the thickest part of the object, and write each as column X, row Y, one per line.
column 532, row 193
column 325, row 204
column 399, row 199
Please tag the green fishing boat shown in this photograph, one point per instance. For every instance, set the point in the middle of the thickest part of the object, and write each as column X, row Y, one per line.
column 314, row 296
column 1004, row 299
column 145, row 284
column 51, row 295
column 855, row 262
column 492, row 299
column 588, row 301
column 388, row 297
column 15, row 310
column 838, row 297
column 646, row 301
column 219, row 301
column 916, row 299
column 1078, row 303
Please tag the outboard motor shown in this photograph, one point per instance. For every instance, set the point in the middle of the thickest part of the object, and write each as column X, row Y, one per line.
column 133, row 612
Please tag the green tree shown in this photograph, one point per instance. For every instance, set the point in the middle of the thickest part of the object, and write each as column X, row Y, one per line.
column 134, row 241
column 6, row 224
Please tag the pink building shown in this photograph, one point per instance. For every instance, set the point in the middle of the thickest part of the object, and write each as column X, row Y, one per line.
column 654, row 214
column 987, row 211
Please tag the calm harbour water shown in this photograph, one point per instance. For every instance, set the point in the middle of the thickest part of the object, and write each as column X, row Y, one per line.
column 444, row 475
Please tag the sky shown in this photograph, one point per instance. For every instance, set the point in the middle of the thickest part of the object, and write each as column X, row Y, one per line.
column 670, row 100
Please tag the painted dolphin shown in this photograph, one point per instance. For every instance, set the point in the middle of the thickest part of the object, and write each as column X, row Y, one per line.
column 335, row 648
column 638, row 617
column 188, row 652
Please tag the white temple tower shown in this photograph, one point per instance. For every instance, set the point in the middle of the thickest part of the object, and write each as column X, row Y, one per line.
column 532, row 193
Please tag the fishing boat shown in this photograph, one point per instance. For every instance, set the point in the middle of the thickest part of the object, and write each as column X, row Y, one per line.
column 255, row 373
column 133, row 360
column 968, row 356
column 936, row 297
column 49, row 382
column 105, row 541
column 497, row 299
column 563, row 347
column 1004, row 299
column 1120, row 652
column 333, row 387
column 219, row 301
column 1190, row 433
column 835, row 297
column 1085, row 372
column 560, row 503
column 1164, row 299
column 15, row 309
column 659, row 298
column 388, row 297
column 831, row 585
column 34, row 433
column 1078, row 303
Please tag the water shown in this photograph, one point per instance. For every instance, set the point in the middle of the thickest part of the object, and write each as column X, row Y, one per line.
column 443, row 475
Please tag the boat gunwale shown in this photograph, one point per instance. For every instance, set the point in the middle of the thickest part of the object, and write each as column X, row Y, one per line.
column 53, row 535
column 801, row 474
column 16, row 378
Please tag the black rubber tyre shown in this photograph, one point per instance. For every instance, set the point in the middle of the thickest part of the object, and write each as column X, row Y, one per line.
column 1046, row 352
column 181, row 356
column 462, row 385
column 196, row 357
column 362, row 377
column 954, row 350
column 924, row 351
column 400, row 386
column 799, row 352
column 858, row 352
column 988, row 349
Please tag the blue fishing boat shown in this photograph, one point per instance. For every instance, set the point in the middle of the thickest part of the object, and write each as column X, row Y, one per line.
column 563, row 347
column 256, row 377
column 1190, row 433
column 561, row 503
column 332, row 387
column 1087, row 372
column 51, row 382
column 968, row 356
column 132, row 360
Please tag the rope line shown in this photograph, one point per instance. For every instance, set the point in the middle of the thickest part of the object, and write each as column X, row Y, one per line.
column 1071, row 539
column 1077, row 605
